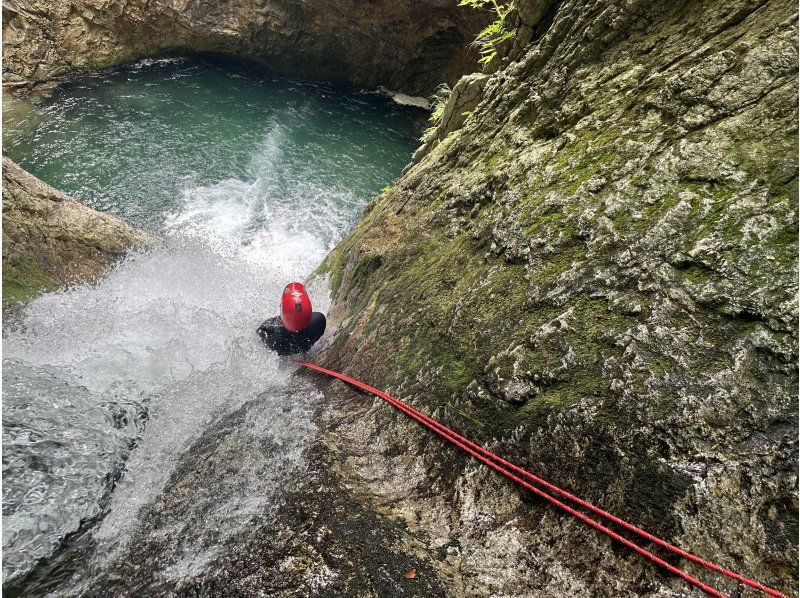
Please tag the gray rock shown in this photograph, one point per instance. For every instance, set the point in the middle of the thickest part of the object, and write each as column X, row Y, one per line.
column 596, row 273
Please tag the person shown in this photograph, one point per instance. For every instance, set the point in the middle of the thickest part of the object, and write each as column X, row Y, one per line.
column 297, row 328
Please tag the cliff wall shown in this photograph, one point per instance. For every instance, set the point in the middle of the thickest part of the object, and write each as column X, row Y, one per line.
column 592, row 267
column 405, row 45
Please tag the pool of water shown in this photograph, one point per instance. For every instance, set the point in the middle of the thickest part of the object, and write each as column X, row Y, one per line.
column 251, row 180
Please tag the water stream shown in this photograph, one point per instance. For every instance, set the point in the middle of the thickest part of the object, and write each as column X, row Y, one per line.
column 251, row 180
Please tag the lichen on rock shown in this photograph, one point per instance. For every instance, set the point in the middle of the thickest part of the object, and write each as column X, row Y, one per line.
column 595, row 270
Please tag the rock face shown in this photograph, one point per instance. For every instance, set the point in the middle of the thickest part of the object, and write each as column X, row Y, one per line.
column 51, row 240
column 594, row 272
column 329, row 538
column 406, row 45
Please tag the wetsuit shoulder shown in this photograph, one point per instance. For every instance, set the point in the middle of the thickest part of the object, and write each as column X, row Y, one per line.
column 283, row 342
column 271, row 324
column 275, row 336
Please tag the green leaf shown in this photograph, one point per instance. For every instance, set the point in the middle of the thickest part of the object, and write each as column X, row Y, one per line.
column 494, row 33
column 438, row 101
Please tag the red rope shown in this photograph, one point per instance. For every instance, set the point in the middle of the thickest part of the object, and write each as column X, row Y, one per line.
column 505, row 468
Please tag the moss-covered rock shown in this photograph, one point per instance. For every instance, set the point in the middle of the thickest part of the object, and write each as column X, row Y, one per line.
column 51, row 240
column 595, row 270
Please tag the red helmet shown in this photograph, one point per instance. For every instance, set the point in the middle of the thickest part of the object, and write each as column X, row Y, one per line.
column 295, row 307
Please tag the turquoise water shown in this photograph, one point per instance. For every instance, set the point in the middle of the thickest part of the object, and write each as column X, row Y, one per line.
column 131, row 142
column 250, row 180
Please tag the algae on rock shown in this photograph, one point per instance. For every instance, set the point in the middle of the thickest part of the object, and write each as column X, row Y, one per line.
column 51, row 240
column 595, row 270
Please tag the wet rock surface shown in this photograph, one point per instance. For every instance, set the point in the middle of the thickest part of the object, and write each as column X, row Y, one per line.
column 595, row 272
column 51, row 240
column 409, row 46
column 305, row 527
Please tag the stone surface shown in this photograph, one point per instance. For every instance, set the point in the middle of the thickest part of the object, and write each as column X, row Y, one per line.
column 51, row 240
column 328, row 537
column 405, row 45
column 462, row 101
column 595, row 272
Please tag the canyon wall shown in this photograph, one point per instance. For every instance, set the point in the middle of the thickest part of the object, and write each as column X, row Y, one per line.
column 405, row 45
column 592, row 267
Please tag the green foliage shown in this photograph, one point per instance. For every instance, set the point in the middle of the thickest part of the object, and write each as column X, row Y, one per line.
column 496, row 32
column 438, row 101
column 486, row 42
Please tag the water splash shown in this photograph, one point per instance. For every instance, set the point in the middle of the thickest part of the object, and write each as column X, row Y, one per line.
column 168, row 336
column 65, row 443
column 172, row 332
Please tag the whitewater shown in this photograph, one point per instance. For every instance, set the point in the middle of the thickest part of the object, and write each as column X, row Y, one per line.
column 107, row 384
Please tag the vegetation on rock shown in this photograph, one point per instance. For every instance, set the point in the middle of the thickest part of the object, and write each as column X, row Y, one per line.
column 595, row 270
column 495, row 32
column 51, row 240
column 438, row 102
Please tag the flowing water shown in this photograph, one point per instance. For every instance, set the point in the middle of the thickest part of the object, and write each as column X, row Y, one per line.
column 251, row 180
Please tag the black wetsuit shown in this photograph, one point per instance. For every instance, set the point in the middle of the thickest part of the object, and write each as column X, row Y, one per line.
column 283, row 342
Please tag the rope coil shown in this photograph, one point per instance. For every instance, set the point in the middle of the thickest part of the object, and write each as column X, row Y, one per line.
column 516, row 474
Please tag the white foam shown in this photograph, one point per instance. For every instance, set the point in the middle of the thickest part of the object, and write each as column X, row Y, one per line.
column 174, row 328
column 148, row 62
column 407, row 100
